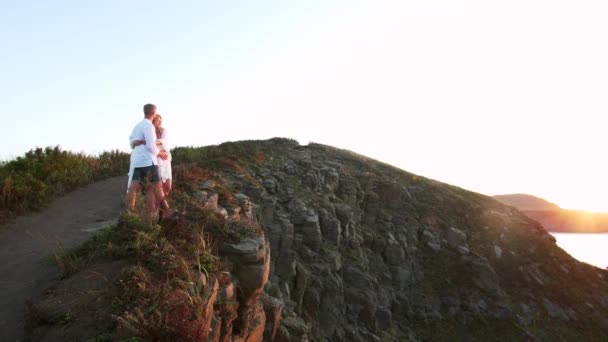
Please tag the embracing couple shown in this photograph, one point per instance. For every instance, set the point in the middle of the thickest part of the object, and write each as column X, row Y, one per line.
column 150, row 168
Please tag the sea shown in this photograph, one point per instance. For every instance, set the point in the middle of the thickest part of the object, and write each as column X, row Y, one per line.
column 589, row 248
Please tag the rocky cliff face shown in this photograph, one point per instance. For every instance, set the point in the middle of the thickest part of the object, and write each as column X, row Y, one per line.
column 363, row 251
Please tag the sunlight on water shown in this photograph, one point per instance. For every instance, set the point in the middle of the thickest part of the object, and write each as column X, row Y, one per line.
column 589, row 248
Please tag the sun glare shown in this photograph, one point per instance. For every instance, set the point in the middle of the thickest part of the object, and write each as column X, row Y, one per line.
column 590, row 204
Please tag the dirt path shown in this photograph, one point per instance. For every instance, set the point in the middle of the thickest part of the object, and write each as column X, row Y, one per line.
column 25, row 244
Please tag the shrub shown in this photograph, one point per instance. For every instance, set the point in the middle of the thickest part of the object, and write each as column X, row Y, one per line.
column 30, row 181
column 171, row 291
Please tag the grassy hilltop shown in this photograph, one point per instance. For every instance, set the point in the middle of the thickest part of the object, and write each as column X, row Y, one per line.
column 313, row 242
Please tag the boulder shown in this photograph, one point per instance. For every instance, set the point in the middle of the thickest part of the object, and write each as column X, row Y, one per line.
column 330, row 227
column 456, row 238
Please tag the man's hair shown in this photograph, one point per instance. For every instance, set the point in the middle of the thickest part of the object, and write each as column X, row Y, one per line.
column 148, row 108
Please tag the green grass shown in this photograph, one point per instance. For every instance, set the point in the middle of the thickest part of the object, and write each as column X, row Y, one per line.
column 248, row 149
column 126, row 239
column 29, row 182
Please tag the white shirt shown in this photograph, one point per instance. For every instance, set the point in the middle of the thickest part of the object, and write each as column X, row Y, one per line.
column 144, row 155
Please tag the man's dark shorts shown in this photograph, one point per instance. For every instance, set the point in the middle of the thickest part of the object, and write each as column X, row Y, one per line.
column 146, row 174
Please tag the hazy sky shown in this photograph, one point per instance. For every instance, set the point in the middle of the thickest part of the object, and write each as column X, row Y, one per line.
column 495, row 97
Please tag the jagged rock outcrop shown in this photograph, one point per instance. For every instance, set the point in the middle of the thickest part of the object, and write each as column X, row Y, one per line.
column 363, row 251
column 241, row 313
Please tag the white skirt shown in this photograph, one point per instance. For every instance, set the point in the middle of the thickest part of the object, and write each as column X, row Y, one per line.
column 164, row 169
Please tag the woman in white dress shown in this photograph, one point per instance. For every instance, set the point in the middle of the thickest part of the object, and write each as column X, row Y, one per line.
column 164, row 165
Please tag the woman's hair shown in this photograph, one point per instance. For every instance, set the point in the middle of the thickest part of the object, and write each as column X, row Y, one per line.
column 159, row 130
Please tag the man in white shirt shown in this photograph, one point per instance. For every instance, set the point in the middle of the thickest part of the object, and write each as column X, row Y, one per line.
column 144, row 163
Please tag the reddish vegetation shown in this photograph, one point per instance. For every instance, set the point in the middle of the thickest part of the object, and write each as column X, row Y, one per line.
column 260, row 158
column 192, row 173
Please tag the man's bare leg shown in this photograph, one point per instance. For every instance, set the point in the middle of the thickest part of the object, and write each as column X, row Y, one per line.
column 151, row 200
column 132, row 195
